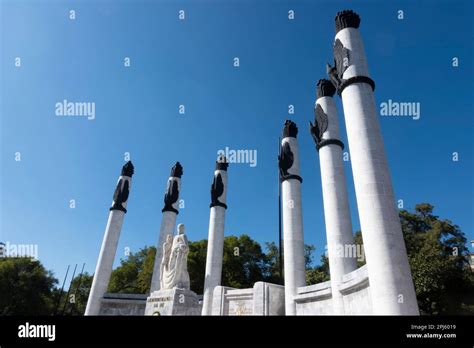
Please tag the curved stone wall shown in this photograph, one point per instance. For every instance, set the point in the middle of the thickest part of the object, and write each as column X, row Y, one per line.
column 317, row 299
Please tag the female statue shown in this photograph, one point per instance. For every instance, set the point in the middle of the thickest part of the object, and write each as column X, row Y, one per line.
column 174, row 268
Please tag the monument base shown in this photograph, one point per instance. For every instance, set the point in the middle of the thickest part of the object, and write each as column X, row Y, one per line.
column 173, row 302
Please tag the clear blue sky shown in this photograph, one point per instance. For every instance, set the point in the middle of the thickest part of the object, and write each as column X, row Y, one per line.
column 190, row 62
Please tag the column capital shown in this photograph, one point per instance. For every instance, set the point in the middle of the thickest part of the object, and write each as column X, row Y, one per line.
column 128, row 169
column 325, row 88
column 290, row 129
column 347, row 19
column 222, row 163
column 177, row 170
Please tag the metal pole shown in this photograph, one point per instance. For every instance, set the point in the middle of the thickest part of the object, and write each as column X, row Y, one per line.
column 77, row 287
column 280, row 258
column 61, row 293
column 68, row 290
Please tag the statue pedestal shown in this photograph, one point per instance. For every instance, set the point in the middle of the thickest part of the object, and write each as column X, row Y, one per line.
column 173, row 302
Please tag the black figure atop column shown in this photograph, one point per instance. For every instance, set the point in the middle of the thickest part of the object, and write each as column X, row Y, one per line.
column 217, row 187
column 172, row 192
column 123, row 188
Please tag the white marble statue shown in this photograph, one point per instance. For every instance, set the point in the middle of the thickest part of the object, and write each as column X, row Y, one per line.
column 174, row 268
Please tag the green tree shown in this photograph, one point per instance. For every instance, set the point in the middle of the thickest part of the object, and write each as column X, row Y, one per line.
column 438, row 259
column 308, row 255
column 318, row 274
column 128, row 277
column 272, row 267
column 197, row 265
column 243, row 263
column 26, row 287
column 271, row 272
column 146, row 272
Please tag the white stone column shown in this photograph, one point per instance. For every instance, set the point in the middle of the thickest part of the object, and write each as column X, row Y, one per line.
column 293, row 242
column 168, row 220
column 215, row 242
column 391, row 283
column 337, row 216
column 108, row 250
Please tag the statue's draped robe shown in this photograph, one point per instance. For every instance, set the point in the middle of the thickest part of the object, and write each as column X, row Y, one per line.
column 174, row 264
column 164, row 262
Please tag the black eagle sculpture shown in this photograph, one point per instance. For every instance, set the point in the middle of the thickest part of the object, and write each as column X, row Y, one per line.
column 123, row 188
column 120, row 195
column 341, row 63
column 285, row 160
column 320, row 124
column 171, row 196
column 217, row 189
